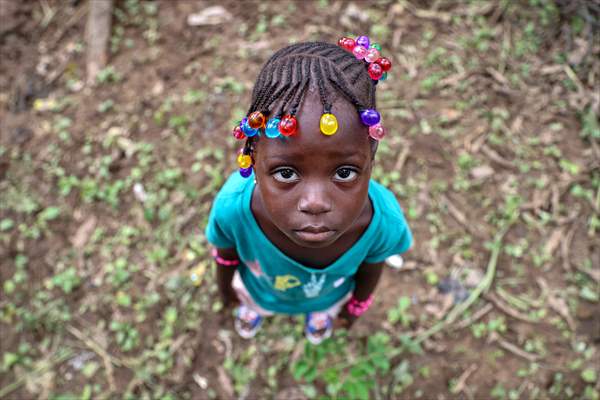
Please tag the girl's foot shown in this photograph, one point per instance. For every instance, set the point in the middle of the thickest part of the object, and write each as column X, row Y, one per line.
column 247, row 322
column 318, row 327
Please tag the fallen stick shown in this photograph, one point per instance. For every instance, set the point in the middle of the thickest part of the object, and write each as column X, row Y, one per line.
column 462, row 380
column 460, row 217
column 97, row 36
column 476, row 316
column 506, row 309
column 508, row 346
column 21, row 379
column 483, row 286
column 107, row 359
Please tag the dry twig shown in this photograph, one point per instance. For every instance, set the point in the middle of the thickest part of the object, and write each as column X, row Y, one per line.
column 516, row 350
column 476, row 316
column 107, row 359
column 462, row 380
column 508, row 310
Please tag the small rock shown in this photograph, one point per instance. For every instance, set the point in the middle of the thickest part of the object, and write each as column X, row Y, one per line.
column 78, row 362
column 481, row 172
column 209, row 16
column 473, row 278
column 139, row 192
column 352, row 14
column 200, row 381
column 84, row 232
column 454, row 287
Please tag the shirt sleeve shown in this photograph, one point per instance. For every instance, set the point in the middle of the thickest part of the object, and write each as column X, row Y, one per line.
column 395, row 238
column 218, row 231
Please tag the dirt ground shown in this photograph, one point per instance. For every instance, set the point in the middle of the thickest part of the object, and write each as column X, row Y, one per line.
column 107, row 287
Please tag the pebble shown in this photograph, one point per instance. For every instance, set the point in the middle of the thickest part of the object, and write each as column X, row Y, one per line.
column 139, row 192
column 210, row 16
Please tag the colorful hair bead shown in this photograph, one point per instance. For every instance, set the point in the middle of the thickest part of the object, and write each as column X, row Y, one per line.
column 247, row 129
column 372, row 55
column 328, row 124
column 347, row 43
column 370, row 117
column 246, row 172
column 363, row 41
column 244, row 161
column 375, row 46
column 288, row 125
column 375, row 71
column 359, row 52
column 386, row 64
column 383, row 77
column 256, row 120
column 238, row 133
column 272, row 130
column 377, row 131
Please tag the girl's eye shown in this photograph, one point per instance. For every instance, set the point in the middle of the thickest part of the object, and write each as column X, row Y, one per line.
column 346, row 174
column 285, row 175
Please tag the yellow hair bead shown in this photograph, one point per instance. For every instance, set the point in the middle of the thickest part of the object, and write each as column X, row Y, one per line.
column 244, row 161
column 328, row 124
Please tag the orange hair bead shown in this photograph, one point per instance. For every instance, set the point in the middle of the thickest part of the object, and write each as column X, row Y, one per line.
column 256, row 120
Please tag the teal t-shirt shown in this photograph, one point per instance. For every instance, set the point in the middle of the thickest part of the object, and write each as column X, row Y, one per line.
column 277, row 282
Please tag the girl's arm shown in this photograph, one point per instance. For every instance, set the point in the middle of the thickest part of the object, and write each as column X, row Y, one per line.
column 366, row 278
column 225, row 274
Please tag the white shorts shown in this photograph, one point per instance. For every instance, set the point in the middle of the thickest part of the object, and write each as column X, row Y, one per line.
column 248, row 301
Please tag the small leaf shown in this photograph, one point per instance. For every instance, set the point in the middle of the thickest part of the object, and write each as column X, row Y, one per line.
column 6, row 224
column 589, row 375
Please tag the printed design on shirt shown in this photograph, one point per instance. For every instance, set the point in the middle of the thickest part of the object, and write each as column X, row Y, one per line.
column 254, row 267
column 314, row 286
column 338, row 282
column 285, row 282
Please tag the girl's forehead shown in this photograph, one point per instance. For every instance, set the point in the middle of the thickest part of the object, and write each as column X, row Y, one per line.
column 352, row 136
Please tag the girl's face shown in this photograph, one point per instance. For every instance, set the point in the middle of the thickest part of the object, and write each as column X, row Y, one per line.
column 314, row 187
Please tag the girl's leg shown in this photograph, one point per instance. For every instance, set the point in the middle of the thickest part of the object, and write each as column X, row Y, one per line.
column 319, row 324
column 249, row 315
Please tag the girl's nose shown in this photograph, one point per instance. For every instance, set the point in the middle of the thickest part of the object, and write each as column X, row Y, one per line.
column 314, row 201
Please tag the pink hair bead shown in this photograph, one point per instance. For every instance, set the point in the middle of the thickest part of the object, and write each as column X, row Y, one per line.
column 359, row 52
column 372, row 55
column 377, row 132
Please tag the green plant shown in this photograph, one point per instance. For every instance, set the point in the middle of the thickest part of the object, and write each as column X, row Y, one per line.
column 400, row 312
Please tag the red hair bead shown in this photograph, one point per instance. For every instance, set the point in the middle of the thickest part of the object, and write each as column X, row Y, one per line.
column 375, row 71
column 287, row 125
column 349, row 44
column 256, row 120
column 386, row 64
column 238, row 133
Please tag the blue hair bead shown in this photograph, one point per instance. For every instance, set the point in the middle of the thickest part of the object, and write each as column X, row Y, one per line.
column 272, row 130
column 248, row 131
column 246, row 172
column 370, row 117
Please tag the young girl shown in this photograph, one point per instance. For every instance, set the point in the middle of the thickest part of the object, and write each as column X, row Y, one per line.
column 301, row 228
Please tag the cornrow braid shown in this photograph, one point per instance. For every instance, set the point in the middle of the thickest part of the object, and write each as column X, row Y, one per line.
column 291, row 71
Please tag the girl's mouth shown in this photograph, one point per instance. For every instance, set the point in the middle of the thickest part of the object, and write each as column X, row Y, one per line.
column 314, row 234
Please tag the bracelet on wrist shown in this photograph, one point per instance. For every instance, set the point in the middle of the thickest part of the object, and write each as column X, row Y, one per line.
column 357, row 307
column 221, row 261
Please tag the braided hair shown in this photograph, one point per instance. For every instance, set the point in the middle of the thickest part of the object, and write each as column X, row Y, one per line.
column 284, row 79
